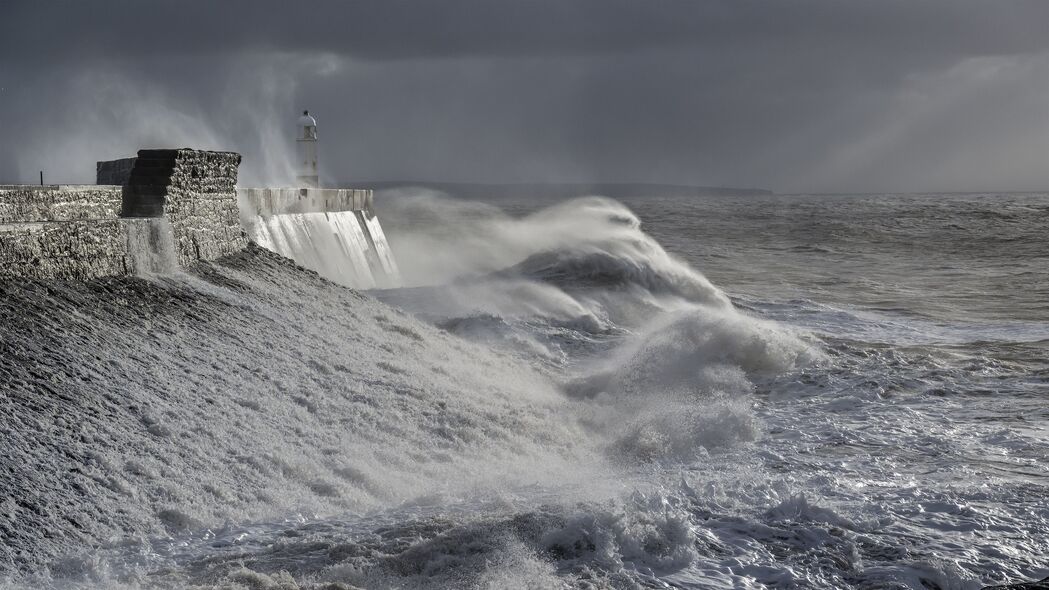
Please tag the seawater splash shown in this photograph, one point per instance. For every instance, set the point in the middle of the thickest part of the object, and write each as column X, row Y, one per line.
column 358, row 408
column 670, row 437
column 354, row 407
column 665, row 361
column 383, row 257
column 583, row 268
column 347, row 247
column 151, row 246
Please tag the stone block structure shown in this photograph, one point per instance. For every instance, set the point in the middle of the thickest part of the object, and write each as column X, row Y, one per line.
column 195, row 190
column 114, row 171
column 64, row 250
column 35, row 204
column 87, row 231
column 61, row 231
column 166, row 208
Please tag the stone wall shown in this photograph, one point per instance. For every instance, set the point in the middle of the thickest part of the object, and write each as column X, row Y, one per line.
column 114, row 171
column 65, row 250
column 275, row 201
column 185, row 198
column 69, row 232
column 195, row 190
column 32, row 203
column 83, row 232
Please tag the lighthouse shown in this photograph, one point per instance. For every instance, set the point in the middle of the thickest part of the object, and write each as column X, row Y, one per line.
column 307, row 148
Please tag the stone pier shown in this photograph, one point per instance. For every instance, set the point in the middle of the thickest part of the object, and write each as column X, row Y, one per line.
column 195, row 190
column 81, row 231
column 276, row 201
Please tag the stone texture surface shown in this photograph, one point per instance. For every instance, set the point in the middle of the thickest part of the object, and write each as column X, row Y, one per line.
column 81, row 232
column 65, row 249
column 68, row 232
column 114, row 171
column 274, row 201
column 197, row 191
column 30, row 203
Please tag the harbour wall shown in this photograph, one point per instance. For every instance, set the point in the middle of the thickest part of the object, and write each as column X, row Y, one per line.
column 331, row 231
column 277, row 201
column 88, row 231
column 58, row 202
column 185, row 204
column 196, row 191
column 61, row 231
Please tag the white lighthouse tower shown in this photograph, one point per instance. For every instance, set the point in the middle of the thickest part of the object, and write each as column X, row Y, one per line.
column 307, row 148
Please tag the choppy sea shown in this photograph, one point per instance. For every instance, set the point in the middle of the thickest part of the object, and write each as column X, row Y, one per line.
column 788, row 391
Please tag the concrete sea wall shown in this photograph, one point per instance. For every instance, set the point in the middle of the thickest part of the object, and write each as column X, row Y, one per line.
column 332, row 231
column 114, row 171
column 276, row 201
column 70, row 250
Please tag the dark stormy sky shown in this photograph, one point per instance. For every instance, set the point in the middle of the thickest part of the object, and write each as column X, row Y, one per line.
column 799, row 95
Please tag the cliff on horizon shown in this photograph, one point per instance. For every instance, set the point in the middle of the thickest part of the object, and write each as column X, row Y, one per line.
column 566, row 190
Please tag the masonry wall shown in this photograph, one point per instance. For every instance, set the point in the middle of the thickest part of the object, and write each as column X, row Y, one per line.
column 196, row 191
column 186, row 198
column 83, row 232
column 69, row 232
column 31, row 203
column 114, row 171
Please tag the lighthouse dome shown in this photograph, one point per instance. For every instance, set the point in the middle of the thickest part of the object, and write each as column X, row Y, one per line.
column 307, row 127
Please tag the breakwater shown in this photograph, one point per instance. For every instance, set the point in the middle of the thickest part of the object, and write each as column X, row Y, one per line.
column 183, row 206
column 332, row 231
column 62, row 231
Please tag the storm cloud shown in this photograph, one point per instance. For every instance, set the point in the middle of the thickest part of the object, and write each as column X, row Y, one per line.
column 793, row 96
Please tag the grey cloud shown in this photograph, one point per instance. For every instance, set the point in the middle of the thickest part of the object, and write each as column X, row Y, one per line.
column 379, row 29
column 800, row 95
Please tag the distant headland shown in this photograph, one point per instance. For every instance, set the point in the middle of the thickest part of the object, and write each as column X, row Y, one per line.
column 554, row 190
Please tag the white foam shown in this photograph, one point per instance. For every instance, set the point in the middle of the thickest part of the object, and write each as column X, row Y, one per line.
column 333, row 244
column 151, row 246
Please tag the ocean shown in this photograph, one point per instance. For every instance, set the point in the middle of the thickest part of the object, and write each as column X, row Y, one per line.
column 773, row 391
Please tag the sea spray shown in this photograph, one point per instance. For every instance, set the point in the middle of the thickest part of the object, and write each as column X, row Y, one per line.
column 333, row 244
column 151, row 246
column 585, row 242
column 317, row 438
column 660, row 358
column 382, row 256
column 288, row 396
column 347, row 247
column 356, row 406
